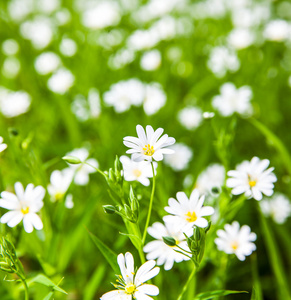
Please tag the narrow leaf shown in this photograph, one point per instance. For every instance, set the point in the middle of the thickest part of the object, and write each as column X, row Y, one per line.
column 215, row 294
column 48, row 296
column 42, row 279
column 108, row 254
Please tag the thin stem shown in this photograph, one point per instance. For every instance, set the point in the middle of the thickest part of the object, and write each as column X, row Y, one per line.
column 26, row 295
column 185, row 287
column 98, row 170
column 150, row 206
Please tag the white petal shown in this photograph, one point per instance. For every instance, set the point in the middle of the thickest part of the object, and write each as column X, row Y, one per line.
column 9, row 196
column 15, row 220
column 35, row 220
column 201, row 222
column 10, row 215
column 27, row 224
column 141, row 134
column 19, row 190
column 149, row 289
column 141, row 296
column 206, row 211
column 116, row 295
column 9, row 204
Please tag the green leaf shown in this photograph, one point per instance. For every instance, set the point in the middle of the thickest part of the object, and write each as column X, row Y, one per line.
column 215, row 294
column 48, row 296
column 42, row 279
column 108, row 254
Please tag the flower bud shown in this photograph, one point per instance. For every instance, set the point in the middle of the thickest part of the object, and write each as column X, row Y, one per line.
column 168, row 240
column 72, row 160
column 109, row 209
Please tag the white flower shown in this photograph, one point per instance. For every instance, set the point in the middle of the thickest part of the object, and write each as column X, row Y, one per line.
column 82, row 171
column 3, row 146
column 179, row 160
column 46, row 63
column 23, row 206
column 59, row 183
column 11, row 67
column 151, row 60
column 278, row 208
column 221, row 60
column 13, row 104
column 236, row 240
column 190, row 117
column 10, row 47
column 166, row 255
column 154, row 98
column 240, row 38
column 188, row 212
column 101, row 14
column 124, row 94
column 131, row 284
column 212, row 177
column 69, row 204
column 140, row 171
column 277, row 30
column 68, row 47
column 233, row 100
column 61, row 81
column 149, row 145
column 39, row 31
column 252, row 178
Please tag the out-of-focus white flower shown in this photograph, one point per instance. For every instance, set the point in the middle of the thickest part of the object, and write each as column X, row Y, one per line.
column 154, row 98
column 143, row 39
column 10, row 47
column 13, row 104
column 47, row 62
column 11, row 67
column 164, row 254
column 20, row 9
column 39, row 31
column 212, row 177
column 277, row 30
column 151, row 60
column 233, row 100
column 82, row 171
column 3, row 146
column 23, row 206
column 252, row 178
column 190, row 117
column 121, row 58
column 222, row 60
column 85, row 109
column 124, row 94
column 62, row 16
column 101, row 14
column 69, row 204
column 68, row 47
column 179, row 160
column 140, row 171
column 61, row 81
column 278, row 208
column 188, row 212
column 130, row 284
column 240, row 38
column 208, row 114
column 47, row 7
column 149, row 145
column 236, row 240
column 156, row 8
column 59, row 183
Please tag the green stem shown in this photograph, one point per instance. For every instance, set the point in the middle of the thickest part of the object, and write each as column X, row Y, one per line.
column 98, row 170
column 275, row 259
column 26, row 295
column 185, row 287
column 150, row 206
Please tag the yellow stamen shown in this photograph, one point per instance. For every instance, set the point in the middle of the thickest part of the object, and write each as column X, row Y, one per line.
column 234, row 245
column 130, row 288
column 59, row 196
column 192, row 217
column 136, row 173
column 25, row 210
column 252, row 183
column 148, row 150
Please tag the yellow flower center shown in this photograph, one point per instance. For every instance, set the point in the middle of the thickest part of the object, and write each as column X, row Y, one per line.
column 136, row 173
column 148, row 150
column 191, row 216
column 252, row 183
column 25, row 210
column 59, row 196
column 234, row 245
column 130, row 288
